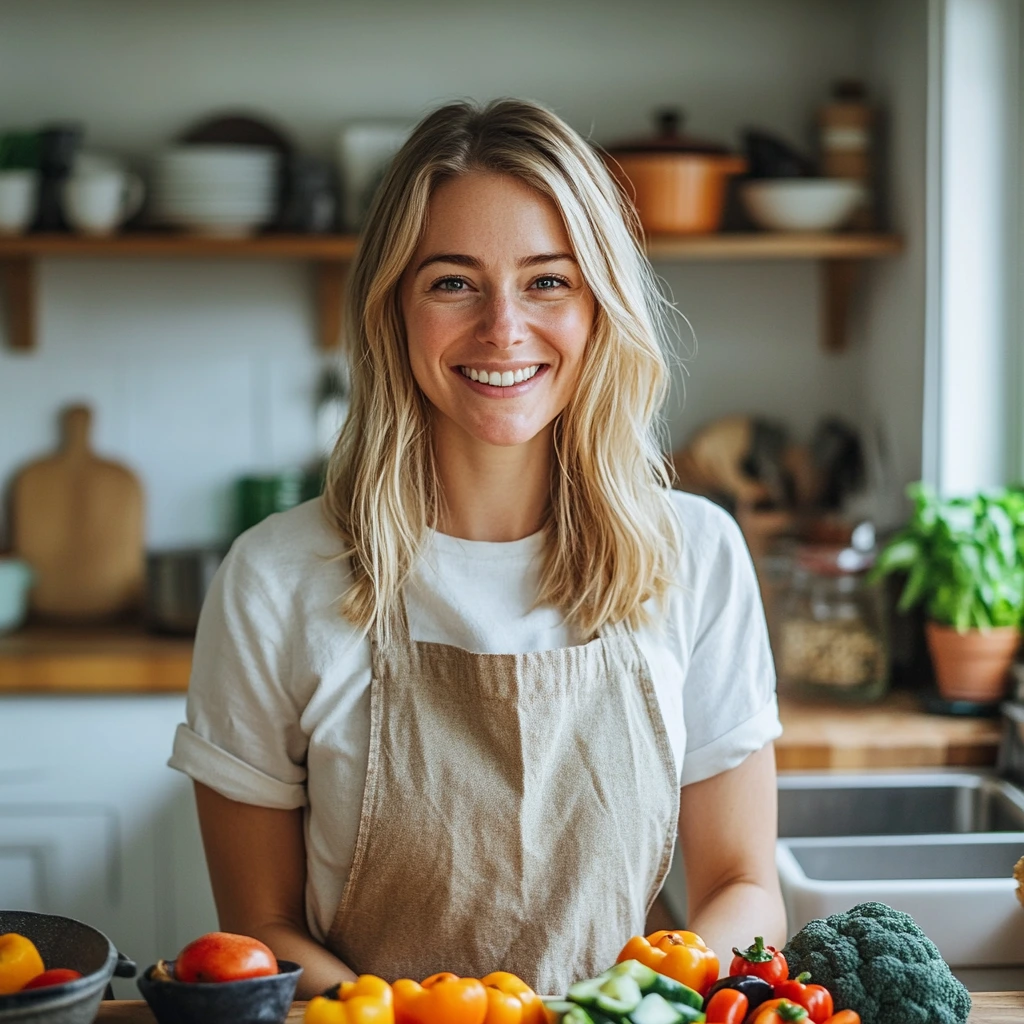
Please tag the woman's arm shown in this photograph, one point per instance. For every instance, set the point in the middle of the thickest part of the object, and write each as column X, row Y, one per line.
column 727, row 829
column 257, row 862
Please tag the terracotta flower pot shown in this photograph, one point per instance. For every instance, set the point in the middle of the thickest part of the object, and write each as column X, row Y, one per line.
column 974, row 665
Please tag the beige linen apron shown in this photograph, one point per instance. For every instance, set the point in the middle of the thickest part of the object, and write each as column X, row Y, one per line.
column 519, row 814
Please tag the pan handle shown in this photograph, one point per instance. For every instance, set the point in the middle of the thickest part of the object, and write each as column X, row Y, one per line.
column 124, row 968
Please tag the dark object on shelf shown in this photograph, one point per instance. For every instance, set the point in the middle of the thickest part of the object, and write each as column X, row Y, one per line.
column 71, row 944
column 237, row 129
column 936, row 705
column 1010, row 762
column 57, row 147
column 669, row 138
column 839, row 459
column 176, row 585
column 310, row 200
column 264, row 1000
column 771, row 157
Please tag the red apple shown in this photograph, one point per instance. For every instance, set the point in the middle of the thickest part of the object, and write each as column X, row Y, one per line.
column 54, row 976
column 221, row 956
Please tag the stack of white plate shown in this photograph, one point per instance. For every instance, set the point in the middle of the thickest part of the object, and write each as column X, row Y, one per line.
column 217, row 190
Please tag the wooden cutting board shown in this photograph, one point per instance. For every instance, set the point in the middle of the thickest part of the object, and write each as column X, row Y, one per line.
column 78, row 521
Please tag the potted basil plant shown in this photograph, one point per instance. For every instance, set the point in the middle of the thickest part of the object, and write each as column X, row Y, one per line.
column 964, row 560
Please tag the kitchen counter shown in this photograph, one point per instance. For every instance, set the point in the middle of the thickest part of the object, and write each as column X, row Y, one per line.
column 989, row 1008
column 890, row 734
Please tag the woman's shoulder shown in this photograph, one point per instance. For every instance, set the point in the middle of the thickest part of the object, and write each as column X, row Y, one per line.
column 287, row 550
column 706, row 529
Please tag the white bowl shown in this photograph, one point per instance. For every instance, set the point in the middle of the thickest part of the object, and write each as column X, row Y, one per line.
column 801, row 204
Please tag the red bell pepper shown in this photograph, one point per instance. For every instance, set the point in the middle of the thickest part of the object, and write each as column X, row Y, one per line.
column 764, row 961
column 815, row 999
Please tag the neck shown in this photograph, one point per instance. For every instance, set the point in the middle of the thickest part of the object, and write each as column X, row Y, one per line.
column 492, row 493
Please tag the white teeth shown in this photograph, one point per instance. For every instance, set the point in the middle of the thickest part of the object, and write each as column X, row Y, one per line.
column 500, row 379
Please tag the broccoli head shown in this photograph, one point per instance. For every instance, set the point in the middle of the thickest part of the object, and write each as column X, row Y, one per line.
column 877, row 961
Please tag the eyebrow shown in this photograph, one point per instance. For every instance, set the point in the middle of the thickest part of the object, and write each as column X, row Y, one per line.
column 461, row 260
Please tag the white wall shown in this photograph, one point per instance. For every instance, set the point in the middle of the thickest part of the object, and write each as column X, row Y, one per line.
column 201, row 372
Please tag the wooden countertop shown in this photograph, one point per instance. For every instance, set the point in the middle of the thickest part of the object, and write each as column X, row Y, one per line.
column 989, row 1008
column 890, row 734
column 893, row 733
column 49, row 659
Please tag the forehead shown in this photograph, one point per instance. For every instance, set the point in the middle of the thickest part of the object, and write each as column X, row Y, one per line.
column 482, row 212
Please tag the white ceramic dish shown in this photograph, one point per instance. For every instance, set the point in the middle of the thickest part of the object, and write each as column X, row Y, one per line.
column 801, row 204
column 958, row 888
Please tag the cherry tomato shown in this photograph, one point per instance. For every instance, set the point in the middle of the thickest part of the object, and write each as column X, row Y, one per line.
column 54, row 976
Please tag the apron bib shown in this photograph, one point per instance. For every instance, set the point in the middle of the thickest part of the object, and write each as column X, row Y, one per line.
column 519, row 814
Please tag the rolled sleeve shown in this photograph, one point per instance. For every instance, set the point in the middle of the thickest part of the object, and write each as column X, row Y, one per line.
column 230, row 776
column 243, row 736
column 733, row 747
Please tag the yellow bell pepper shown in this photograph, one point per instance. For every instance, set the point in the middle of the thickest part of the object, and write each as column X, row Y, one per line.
column 20, row 962
column 367, row 1000
column 532, row 1010
column 441, row 999
column 680, row 955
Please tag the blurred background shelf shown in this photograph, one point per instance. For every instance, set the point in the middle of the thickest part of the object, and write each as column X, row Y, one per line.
column 839, row 253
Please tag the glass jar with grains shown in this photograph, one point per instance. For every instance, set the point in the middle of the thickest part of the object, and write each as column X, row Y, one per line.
column 831, row 635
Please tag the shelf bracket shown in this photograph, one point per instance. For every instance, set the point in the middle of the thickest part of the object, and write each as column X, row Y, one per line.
column 19, row 277
column 330, row 296
column 838, row 280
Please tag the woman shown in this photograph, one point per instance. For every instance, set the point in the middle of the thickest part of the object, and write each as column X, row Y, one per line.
column 452, row 715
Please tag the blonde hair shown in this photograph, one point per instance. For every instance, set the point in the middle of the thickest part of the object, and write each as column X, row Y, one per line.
column 612, row 538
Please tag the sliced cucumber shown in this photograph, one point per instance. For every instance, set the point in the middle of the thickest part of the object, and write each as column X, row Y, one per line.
column 650, row 981
column 618, row 995
column 559, row 1006
column 654, row 1009
column 690, row 1014
column 585, row 993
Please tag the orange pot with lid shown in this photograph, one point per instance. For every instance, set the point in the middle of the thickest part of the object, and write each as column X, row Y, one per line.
column 677, row 183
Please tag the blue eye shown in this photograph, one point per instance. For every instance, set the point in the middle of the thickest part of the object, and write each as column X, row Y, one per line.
column 552, row 281
column 445, row 284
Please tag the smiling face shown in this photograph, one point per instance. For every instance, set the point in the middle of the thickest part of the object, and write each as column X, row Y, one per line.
column 497, row 314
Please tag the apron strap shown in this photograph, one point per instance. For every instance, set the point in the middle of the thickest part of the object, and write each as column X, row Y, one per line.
column 400, row 620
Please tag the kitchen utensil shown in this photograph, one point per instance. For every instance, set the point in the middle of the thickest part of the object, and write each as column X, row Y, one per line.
column 78, row 521
column 57, row 147
column 364, row 151
column 800, row 204
column 176, row 585
column 63, row 942
column 847, row 126
column 98, row 202
column 265, row 1000
column 772, row 157
column 15, row 579
column 310, row 204
column 19, row 191
column 261, row 496
column 677, row 183
column 216, row 189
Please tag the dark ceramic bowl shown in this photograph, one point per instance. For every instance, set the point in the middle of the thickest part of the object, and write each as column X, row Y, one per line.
column 250, row 1001
column 62, row 943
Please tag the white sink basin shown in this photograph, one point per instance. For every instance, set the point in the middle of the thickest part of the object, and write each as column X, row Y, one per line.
column 959, row 888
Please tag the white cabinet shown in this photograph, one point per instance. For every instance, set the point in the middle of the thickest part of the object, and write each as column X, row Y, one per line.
column 95, row 826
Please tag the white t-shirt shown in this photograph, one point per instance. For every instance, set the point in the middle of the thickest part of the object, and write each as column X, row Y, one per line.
column 279, row 703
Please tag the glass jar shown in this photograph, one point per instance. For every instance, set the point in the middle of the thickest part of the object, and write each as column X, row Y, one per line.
column 831, row 628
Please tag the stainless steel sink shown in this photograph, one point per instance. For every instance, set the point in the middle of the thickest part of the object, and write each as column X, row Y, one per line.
column 898, row 803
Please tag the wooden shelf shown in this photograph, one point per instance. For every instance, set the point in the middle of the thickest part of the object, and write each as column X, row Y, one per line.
column 330, row 255
column 81, row 660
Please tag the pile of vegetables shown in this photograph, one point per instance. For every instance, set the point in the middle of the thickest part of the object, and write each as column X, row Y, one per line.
column 872, row 962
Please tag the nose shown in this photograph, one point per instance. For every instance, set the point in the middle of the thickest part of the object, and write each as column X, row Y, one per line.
column 502, row 323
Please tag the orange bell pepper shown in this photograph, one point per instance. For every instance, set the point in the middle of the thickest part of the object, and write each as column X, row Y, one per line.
column 778, row 1011
column 20, row 962
column 441, row 999
column 533, row 1010
column 680, row 955
column 367, row 1000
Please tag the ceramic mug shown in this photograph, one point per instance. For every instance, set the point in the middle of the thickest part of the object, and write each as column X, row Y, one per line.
column 16, row 577
column 19, row 193
column 98, row 203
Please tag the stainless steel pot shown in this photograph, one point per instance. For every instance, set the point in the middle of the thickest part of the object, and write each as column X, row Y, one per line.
column 176, row 586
